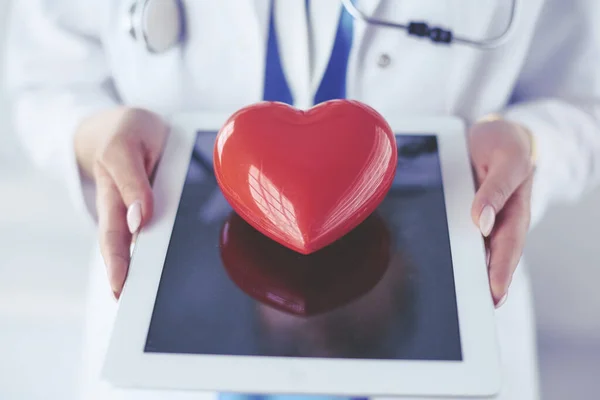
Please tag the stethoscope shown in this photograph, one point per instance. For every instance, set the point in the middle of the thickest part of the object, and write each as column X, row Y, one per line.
column 159, row 26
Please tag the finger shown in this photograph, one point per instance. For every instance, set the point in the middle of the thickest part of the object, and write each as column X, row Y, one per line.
column 502, row 179
column 125, row 161
column 114, row 234
column 508, row 241
column 132, row 244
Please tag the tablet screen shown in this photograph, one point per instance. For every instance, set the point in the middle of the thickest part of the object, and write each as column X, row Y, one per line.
column 383, row 291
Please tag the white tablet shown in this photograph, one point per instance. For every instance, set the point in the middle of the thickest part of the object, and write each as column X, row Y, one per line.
column 400, row 306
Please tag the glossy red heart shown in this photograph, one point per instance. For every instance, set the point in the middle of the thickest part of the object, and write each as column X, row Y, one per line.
column 305, row 178
column 305, row 285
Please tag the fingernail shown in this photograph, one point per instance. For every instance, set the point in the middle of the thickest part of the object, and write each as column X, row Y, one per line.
column 486, row 220
column 134, row 216
column 502, row 301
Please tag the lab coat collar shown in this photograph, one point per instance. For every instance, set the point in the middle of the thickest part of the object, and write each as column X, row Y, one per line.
column 294, row 45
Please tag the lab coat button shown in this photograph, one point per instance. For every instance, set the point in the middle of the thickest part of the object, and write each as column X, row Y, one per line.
column 384, row 60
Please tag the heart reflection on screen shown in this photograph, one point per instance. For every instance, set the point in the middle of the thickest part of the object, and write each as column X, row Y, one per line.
column 305, row 285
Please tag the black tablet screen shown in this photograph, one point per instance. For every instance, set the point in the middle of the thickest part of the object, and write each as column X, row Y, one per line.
column 384, row 291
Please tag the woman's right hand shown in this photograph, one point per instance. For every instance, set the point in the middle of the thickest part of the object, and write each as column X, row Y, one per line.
column 119, row 150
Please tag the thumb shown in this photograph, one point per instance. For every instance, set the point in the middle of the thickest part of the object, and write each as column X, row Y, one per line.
column 502, row 179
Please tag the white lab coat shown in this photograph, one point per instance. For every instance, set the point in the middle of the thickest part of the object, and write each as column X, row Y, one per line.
column 70, row 58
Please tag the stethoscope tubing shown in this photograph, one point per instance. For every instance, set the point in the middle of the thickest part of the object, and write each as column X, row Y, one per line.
column 484, row 44
column 135, row 27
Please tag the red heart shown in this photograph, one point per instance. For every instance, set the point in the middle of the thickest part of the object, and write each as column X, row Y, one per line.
column 305, row 285
column 305, row 178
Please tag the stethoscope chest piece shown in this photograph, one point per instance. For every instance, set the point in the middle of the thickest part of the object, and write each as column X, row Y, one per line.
column 157, row 24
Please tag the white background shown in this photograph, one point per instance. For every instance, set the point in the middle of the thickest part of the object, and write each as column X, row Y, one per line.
column 43, row 272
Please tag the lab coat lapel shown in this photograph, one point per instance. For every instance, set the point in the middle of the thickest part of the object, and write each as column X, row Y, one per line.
column 361, row 29
column 368, row 7
column 324, row 16
column 292, row 35
column 237, row 55
column 260, row 11
column 361, row 32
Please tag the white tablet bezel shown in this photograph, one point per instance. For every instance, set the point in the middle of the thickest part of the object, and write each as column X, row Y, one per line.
column 127, row 365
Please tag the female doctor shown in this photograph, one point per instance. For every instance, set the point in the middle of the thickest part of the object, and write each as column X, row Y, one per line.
column 92, row 83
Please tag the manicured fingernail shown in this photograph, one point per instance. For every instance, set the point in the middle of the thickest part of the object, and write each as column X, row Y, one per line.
column 486, row 220
column 134, row 216
column 502, row 301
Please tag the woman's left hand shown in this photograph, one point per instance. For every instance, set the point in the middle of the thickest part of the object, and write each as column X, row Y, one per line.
column 501, row 154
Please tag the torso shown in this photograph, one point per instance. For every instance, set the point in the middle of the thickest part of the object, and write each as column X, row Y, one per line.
column 220, row 66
